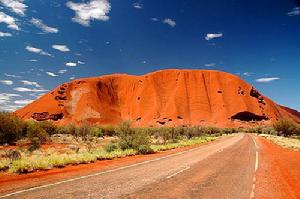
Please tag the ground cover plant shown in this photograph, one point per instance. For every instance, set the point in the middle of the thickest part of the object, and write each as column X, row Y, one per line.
column 285, row 142
column 87, row 143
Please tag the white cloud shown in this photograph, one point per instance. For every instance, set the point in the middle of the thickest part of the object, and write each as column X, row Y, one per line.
column 210, row 36
column 247, row 74
column 10, row 108
column 29, row 83
column 71, row 78
column 23, row 102
column 14, row 76
column 37, row 50
column 210, row 64
column 62, row 71
column 267, row 79
column 7, row 82
column 71, row 64
column 9, row 21
column 80, row 62
column 17, row 6
column 39, row 24
column 138, row 6
column 170, row 22
column 6, row 97
column 5, row 34
column 154, row 19
column 32, row 60
column 62, row 48
column 51, row 74
column 92, row 10
column 295, row 11
column 37, row 95
column 22, row 89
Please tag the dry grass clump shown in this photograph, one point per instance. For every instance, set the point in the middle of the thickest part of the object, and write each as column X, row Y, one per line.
column 289, row 143
column 49, row 159
column 183, row 143
column 83, row 140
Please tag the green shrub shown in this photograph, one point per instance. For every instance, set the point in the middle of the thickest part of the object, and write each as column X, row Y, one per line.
column 165, row 133
column 130, row 138
column 69, row 129
column 228, row 131
column 85, row 131
column 49, row 127
column 285, row 127
column 110, row 147
column 210, row 130
column 35, row 131
column 35, row 144
column 191, row 132
column 144, row 149
column 109, row 131
column 11, row 128
column 97, row 132
column 268, row 130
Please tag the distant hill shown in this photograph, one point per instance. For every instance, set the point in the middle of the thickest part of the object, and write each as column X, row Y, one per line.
column 161, row 98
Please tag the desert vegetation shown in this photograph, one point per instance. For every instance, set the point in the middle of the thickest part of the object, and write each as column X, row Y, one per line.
column 283, row 127
column 29, row 145
column 284, row 132
column 24, row 143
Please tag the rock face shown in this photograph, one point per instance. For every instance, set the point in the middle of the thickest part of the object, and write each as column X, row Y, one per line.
column 168, row 97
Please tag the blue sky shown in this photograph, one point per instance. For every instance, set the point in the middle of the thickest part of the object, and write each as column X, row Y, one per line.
column 45, row 43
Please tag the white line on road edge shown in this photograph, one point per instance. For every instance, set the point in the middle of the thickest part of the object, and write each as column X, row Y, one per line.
column 256, row 167
column 97, row 174
column 178, row 172
column 256, row 160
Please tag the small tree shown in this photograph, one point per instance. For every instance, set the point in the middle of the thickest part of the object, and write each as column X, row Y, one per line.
column 11, row 128
column 49, row 127
column 285, row 127
column 137, row 139
column 85, row 131
column 36, row 133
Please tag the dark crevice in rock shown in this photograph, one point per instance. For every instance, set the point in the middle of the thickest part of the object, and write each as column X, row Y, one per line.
column 61, row 92
column 60, row 98
column 161, row 122
column 254, row 93
column 46, row 116
column 139, row 118
column 248, row 116
column 241, row 91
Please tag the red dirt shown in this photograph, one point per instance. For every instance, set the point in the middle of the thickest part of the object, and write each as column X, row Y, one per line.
column 13, row 182
column 279, row 172
column 168, row 97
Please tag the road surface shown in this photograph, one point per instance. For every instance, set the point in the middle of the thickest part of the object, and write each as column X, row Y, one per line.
column 221, row 169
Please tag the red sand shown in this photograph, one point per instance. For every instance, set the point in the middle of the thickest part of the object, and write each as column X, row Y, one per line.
column 278, row 173
column 168, row 97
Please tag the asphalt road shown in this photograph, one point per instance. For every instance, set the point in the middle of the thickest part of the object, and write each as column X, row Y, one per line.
column 221, row 169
